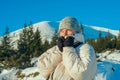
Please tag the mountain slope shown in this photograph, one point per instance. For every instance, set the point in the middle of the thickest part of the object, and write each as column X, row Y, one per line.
column 47, row 29
column 114, row 32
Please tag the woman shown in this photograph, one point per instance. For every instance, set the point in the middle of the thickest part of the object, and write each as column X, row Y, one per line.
column 71, row 58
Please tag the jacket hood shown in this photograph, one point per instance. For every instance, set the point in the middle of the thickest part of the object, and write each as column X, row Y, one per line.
column 79, row 37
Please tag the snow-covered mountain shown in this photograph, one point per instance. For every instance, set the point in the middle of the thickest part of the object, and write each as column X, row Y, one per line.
column 93, row 31
column 47, row 29
column 102, row 29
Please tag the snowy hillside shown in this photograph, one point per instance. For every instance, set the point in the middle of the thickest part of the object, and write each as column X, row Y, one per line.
column 45, row 29
column 93, row 31
column 109, row 55
column 108, row 69
column 114, row 32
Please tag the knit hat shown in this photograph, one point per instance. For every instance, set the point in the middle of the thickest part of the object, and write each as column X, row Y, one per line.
column 70, row 23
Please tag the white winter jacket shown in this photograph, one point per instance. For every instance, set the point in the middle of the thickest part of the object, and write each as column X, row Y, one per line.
column 72, row 64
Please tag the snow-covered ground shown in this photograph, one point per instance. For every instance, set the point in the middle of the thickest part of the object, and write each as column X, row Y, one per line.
column 31, row 73
column 108, row 69
column 113, row 56
column 109, row 65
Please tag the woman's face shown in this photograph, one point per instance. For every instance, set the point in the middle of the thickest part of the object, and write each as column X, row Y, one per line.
column 66, row 32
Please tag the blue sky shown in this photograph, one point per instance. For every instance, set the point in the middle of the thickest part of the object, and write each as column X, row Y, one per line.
column 14, row 13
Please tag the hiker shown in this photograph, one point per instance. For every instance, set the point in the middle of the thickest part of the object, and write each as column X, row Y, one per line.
column 71, row 58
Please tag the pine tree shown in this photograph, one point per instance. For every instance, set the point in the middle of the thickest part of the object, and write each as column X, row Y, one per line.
column 37, row 44
column 46, row 46
column 100, row 34
column 5, row 49
column 108, row 36
column 108, row 39
column 22, row 42
column 30, row 40
column 98, row 44
column 105, row 43
column 29, row 46
column 118, row 41
column 0, row 49
column 5, row 46
column 54, row 39
column 119, row 35
column 113, row 42
column 24, row 48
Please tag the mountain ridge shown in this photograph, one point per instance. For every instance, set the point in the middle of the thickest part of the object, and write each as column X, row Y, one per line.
column 47, row 29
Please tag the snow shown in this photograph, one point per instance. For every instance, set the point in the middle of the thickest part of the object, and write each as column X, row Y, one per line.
column 108, row 68
column 34, row 60
column 114, row 32
column 8, row 74
column 31, row 70
column 108, row 71
column 113, row 56
column 45, row 29
column 28, row 72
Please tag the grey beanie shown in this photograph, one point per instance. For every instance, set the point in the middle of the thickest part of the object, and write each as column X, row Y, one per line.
column 70, row 23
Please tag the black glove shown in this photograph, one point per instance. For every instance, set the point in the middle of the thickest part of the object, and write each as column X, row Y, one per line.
column 69, row 41
column 60, row 43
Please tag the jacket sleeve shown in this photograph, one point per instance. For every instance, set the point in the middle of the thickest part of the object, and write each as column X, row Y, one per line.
column 48, row 61
column 80, row 62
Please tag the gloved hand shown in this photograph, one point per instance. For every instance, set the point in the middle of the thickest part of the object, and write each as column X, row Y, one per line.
column 69, row 41
column 60, row 43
